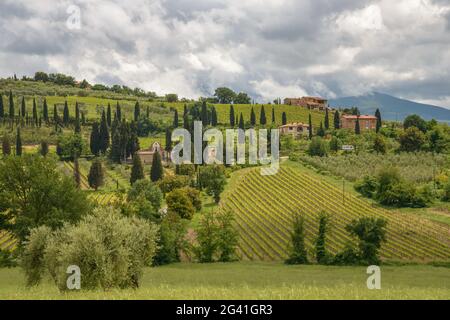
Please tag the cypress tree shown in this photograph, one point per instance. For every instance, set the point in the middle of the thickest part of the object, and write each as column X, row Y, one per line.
column 137, row 111
column 44, row 148
column 241, row 122
column 103, row 135
column 77, row 118
column 6, row 146
column 137, row 170
column 55, row 114
column 76, row 172
column 45, row 111
column 175, row 119
column 252, row 117
column 96, row 175
column 116, row 151
column 95, row 140
column 232, row 117
column 157, row 171
column 337, row 120
column 118, row 112
column 322, row 255
column 2, row 109
column 35, row 115
column 273, row 115
column 124, row 134
column 66, row 116
column 357, row 126
column 213, row 117
column 379, row 123
column 262, row 116
column 298, row 254
column 327, row 119
column 133, row 139
column 185, row 110
column 108, row 115
column 147, row 114
column 168, row 140
column 205, row 119
column 11, row 105
column 321, row 131
column 284, row 119
column 24, row 107
column 310, row 129
column 18, row 143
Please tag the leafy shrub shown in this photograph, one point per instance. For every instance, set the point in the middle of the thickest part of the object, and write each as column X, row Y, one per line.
column 169, row 183
column 148, row 190
column 180, row 203
column 172, row 240
column 216, row 237
column 348, row 257
column 194, row 196
column 110, row 250
column 317, row 147
column 403, row 194
column 371, row 233
column 367, row 186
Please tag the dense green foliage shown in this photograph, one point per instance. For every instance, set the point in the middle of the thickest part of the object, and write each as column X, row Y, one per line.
column 111, row 251
column 34, row 193
column 216, row 237
column 297, row 252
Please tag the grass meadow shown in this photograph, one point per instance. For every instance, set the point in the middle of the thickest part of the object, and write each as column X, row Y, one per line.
column 254, row 281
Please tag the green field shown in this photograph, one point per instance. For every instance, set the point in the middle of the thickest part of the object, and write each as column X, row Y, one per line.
column 266, row 205
column 254, row 281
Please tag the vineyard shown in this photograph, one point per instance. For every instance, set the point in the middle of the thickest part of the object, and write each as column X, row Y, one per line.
column 265, row 206
column 7, row 242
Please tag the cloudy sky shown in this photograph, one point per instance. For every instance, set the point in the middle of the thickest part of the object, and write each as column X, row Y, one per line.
column 268, row 48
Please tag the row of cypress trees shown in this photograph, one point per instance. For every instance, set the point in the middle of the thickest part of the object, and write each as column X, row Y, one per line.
column 212, row 119
column 36, row 118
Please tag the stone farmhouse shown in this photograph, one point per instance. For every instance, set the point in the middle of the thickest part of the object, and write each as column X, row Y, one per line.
column 295, row 129
column 366, row 122
column 311, row 103
column 147, row 154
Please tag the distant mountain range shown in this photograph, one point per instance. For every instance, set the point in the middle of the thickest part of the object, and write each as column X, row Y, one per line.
column 392, row 108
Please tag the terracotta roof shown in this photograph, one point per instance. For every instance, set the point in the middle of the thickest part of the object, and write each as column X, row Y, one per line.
column 316, row 98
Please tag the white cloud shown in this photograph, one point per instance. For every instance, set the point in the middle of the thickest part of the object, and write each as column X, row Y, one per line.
column 270, row 89
column 267, row 48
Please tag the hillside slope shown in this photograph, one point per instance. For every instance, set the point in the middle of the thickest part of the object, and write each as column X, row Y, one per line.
column 392, row 108
column 265, row 206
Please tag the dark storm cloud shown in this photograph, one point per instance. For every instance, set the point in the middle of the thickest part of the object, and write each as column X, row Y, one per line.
column 268, row 48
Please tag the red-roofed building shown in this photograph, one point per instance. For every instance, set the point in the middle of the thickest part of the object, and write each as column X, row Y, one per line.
column 366, row 122
column 312, row 103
